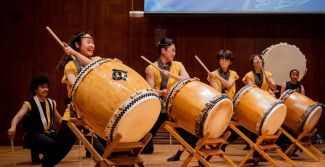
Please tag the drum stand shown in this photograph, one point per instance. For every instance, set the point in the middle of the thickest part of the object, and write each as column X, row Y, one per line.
column 132, row 150
column 205, row 148
column 303, row 139
column 260, row 147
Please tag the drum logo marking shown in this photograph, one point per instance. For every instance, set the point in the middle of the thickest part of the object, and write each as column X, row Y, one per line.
column 119, row 75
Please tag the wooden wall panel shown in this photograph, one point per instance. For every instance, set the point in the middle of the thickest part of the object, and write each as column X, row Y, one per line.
column 17, row 62
column 29, row 50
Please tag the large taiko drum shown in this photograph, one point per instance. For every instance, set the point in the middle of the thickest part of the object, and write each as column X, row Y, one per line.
column 291, row 58
column 303, row 113
column 112, row 98
column 199, row 108
column 258, row 111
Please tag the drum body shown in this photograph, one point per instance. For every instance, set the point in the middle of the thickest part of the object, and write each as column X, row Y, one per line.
column 199, row 108
column 258, row 111
column 303, row 113
column 112, row 98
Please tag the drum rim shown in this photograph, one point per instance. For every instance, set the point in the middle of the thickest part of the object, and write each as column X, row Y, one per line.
column 240, row 93
column 286, row 94
column 200, row 122
column 311, row 109
column 126, row 107
column 260, row 123
column 83, row 73
column 170, row 97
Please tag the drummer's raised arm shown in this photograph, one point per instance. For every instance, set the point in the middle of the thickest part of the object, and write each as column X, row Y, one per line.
column 182, row 73
column 71, row 52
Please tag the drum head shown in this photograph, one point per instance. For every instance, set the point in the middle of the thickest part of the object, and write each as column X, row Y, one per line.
column 281, row 58
column 274, row 120
column 312, row 119
column 219, row 118
column 136, row 123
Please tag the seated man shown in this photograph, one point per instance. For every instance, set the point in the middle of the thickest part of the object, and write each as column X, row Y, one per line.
column 38, row 114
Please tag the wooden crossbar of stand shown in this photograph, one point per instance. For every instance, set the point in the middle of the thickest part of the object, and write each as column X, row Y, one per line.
column 260, row 147
column 303, row 139
column 205, row 148
column 131, row 150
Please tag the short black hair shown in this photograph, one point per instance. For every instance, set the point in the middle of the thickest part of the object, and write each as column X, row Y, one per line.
column 293, row 70
column 164, row 43
column 37, row 81
column 225, row 54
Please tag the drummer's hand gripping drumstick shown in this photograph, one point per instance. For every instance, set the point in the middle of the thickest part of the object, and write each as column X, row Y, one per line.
column 13, row 151
column 206, row 69
column 56, row 38
column 161, row 70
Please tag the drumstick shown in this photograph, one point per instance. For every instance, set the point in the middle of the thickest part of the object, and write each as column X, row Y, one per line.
column 202, row 64
column 13, row 151
column 56, row 38
column 148, row 61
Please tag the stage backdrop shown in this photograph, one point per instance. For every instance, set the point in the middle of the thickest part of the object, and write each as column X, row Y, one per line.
column 28, row 49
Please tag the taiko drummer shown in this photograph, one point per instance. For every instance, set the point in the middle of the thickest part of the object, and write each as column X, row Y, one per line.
column 223, row 79
column 82, row 47
column 294, row 83
column 258, row 76
column 173, row 72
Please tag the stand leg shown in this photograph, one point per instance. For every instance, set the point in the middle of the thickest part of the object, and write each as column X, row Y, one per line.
column 296, row 142
column 93, row 152
column 253, row 147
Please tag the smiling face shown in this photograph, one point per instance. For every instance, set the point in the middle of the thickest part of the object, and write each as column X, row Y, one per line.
column 86, row 46
column 42, row 90
column 169, row 52
column 257, row 62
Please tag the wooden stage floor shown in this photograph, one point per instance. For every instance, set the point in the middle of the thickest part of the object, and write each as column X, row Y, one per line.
column 157, row 159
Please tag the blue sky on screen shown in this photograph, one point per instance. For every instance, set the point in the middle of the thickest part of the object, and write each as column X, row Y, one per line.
column 220, row 6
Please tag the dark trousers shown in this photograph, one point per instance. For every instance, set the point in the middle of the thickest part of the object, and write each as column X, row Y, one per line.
column 64, row 141
column 283, row 141
column 188, row 137
column 38, row 142
column 99, row 145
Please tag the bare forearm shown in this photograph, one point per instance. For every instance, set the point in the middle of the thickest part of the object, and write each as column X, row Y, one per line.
column 225, row 83
column 178, row 77
column 213, row 84
column 14, row 122
column 82, row 59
